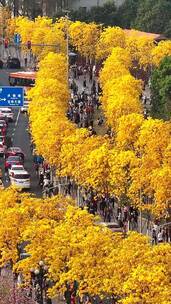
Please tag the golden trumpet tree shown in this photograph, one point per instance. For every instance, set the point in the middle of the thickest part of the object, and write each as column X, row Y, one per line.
column 151, row 155
column 150, row 282
column 75, row 150
column 144, row 286
column 79, row 252
column 162, row 50
column 41, row 31
column 121, row 98
column 110, row 38
column 121, row 165
column 116, row 65
column 122, row 260
column 97, row 169
column 128, row 130
column 17, row 212
column 54, row 97
column 84, row 37
column 140, row 49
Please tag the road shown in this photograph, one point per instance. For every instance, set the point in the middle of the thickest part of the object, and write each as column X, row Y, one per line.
column 20, row 138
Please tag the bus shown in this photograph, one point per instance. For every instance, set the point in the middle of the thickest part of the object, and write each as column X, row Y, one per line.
column 22, row 79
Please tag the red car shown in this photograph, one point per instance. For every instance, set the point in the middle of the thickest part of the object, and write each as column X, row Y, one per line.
column 3, row 129
column 14, row 151
column 13, row 160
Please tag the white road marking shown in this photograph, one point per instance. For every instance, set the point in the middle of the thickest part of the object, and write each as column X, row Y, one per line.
column 18, row 115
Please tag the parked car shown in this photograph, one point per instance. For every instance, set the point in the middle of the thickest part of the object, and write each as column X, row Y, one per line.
column 14, row 151
column 7, row 112
column 13, row 160
column 13, row 63
column 21, row 179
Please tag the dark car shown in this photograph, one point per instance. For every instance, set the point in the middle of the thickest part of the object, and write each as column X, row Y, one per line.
column 14, row 151
column 13, row 160
column 13, row 63
column 1, row 64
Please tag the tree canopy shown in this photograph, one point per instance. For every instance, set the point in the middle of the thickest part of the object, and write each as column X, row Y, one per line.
column 161, row 89
column 153, row 16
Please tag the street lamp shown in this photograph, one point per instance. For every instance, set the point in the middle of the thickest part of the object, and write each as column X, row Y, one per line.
column 39, row 283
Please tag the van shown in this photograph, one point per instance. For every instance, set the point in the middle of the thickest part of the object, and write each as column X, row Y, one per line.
column 20, row 179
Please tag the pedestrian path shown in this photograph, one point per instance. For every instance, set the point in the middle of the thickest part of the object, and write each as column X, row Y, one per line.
column 15, row 52
column 98, row 113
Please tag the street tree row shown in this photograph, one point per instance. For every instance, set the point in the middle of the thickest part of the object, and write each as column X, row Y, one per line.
column 74, row 248
column 133, row 161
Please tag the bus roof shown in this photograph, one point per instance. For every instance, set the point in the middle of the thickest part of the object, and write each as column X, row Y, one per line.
column 24, row 75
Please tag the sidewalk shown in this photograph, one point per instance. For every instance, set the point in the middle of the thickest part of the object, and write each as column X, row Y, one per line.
column 15, row 52
column 102, row 129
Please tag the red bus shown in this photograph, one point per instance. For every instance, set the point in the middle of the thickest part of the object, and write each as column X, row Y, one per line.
column 22, row 79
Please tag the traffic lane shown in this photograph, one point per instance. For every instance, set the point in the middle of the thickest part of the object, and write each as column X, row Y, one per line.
column 17, row 130
column 10, row 134
column 4, row 75
column 21, row 139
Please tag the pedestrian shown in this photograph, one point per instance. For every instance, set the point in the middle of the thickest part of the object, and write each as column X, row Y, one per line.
column 25, row 61
column 160, row 236
column 41, row 178
column 84, row 82
column 120, row 222
column 125, row 214
column 154, row 237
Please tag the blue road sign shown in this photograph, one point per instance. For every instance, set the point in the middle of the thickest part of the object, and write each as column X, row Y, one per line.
column 11, row 97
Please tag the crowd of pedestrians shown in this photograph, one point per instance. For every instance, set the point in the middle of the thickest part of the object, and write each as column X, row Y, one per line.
column 84, row 99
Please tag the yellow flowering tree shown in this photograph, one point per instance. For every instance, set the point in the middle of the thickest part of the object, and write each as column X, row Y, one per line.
column 84, row 37
column 42, row 31
column 48, row 107
column 151, row 155
column 140, row 49
column 110, row 38
column 162, row 50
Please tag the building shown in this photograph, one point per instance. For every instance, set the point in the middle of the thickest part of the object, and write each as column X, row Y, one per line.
column 87, row 4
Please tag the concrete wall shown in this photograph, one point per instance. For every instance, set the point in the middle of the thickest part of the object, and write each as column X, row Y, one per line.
column 76, row 4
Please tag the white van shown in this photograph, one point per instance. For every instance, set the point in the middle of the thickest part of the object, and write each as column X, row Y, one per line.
column 7, row 112
column 20, row 179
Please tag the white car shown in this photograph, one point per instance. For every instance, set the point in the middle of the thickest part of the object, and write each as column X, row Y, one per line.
column 14, row 169
column 20, row 179
column 7, row 112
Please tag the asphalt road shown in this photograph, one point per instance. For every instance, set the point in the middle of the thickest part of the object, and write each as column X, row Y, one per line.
column 17, row 130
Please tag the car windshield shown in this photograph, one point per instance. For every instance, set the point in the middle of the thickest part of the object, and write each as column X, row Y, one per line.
column 14, row 150
column 17, row 168
column 13, row 158
column 5, row 111
column 21, row 176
